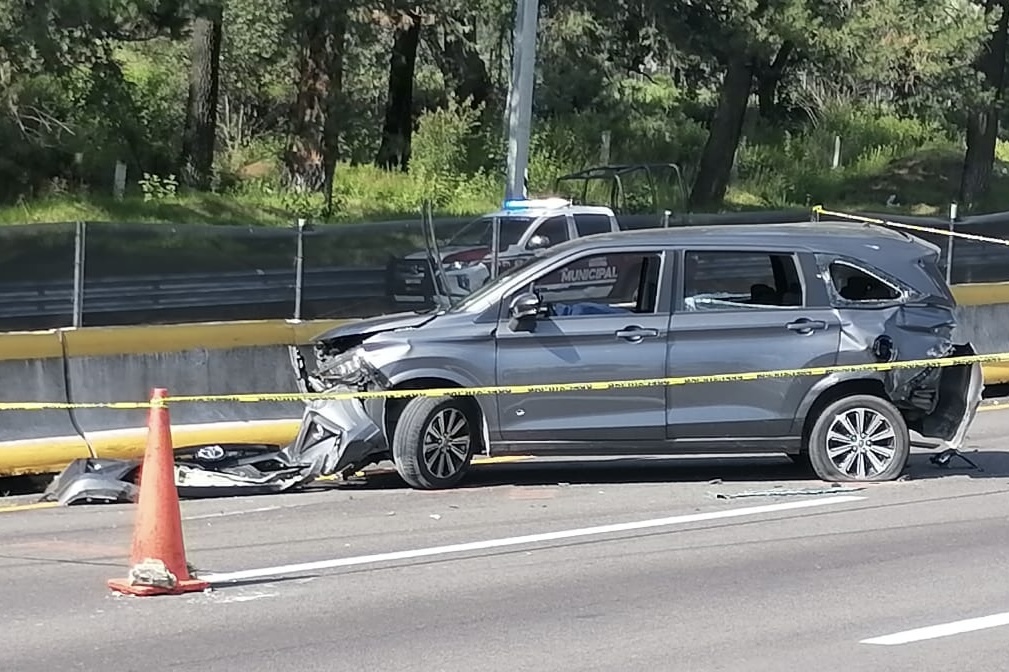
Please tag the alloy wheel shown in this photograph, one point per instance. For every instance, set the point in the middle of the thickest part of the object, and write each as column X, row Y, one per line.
column 861, row 442
column 446, row 442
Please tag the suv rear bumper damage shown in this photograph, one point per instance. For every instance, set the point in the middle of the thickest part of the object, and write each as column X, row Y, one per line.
column 940, row 403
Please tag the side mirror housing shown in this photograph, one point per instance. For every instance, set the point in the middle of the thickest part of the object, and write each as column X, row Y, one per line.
column 524, row 309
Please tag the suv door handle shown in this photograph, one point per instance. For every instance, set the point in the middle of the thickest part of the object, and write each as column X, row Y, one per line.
column 635, row 334
column 804, row 325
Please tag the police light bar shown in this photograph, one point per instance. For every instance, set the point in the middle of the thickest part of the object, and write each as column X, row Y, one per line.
column 536, row 203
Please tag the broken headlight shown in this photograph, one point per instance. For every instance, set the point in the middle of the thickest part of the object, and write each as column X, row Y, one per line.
column 348, row 368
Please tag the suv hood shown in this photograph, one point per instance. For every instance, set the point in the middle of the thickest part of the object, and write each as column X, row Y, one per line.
column 362, row 329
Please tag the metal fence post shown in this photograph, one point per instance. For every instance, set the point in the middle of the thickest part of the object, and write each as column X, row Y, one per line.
column 299, row 269
column 949, row 244
column 78, row 309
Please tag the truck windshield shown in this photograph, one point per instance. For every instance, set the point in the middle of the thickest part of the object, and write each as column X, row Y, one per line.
column 464, row 303
column 480, row 232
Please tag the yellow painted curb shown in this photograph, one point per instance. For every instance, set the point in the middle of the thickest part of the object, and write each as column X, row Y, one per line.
column 138, row 340
column 18, row 345
column 53, row 454
column 981, row 293
column 47, row 455
column 28, row 507
column 146, row 339
column 122, row 444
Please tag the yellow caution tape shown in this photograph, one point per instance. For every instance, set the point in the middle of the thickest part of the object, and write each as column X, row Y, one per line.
column 819, row 209
column 522, row 389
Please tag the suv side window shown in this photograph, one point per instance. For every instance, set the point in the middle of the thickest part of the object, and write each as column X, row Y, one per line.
column 555, row 229
column 855, row 284
column 590, row 224
column 730, row 280
column 603, row 284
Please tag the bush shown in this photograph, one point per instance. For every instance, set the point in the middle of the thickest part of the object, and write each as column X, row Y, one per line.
column 783, row 169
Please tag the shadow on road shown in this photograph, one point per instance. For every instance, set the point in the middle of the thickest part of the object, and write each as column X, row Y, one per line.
column 631, row 470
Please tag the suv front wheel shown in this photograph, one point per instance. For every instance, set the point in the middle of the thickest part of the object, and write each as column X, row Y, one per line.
column 859, row 438
column 434, row 441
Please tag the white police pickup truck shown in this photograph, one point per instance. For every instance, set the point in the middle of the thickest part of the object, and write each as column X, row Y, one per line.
column 524, row 226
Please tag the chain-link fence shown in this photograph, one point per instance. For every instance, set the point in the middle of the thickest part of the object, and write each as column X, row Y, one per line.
column 99, row 273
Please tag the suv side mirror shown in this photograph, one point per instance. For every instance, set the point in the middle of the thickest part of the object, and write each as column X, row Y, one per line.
column 538, row 242
column 524, row 309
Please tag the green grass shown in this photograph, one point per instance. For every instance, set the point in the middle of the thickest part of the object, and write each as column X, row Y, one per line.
column 924, row 182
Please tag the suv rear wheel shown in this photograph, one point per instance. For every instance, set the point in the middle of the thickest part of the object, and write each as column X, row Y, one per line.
column 433, row 442
column 859, row 438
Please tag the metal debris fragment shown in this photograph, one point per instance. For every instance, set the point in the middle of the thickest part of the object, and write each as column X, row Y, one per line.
column 782, row 492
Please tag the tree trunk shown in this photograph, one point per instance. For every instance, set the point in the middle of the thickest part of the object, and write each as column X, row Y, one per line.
column 460, row 63
column 398, row 128
column 983, row 121
column 200, row 130
column 723, row 135
column 768, row 80
column 313, row 147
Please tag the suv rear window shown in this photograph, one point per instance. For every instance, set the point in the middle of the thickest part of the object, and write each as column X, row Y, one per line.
column 854, row 284
column 741, row 280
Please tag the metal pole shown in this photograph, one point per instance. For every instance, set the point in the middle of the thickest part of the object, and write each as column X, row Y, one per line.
column 495, row 242
column 299, row 269
column 78, row 309
column 949, row 244
column 520, row 96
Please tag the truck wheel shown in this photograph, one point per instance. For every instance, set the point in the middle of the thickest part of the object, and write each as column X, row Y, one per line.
column 433, row 442
column 860, row 438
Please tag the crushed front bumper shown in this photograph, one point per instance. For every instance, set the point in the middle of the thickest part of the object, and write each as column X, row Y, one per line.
column 336, row 436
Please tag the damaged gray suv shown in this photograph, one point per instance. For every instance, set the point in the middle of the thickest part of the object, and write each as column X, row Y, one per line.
column 659, row 303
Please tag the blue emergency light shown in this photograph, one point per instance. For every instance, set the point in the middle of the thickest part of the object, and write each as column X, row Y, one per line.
column 536, row 203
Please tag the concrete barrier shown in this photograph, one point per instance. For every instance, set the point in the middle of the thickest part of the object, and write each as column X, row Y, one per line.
column 983, row 319
column 123, row 364
column 99, row 364
column 32, row 369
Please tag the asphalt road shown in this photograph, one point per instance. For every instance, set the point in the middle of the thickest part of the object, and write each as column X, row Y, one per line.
column 707, row 583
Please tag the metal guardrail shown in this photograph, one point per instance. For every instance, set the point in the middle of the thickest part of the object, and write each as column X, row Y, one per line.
column 197, row 290
column 155, row 293
column 343, row 291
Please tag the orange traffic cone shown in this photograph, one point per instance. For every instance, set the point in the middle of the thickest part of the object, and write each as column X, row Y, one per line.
column 158, row 558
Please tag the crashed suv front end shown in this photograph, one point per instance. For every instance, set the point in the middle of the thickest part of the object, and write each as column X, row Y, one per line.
column 346, row 432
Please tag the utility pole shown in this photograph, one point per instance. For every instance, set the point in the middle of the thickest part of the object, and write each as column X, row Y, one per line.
column 520, row 96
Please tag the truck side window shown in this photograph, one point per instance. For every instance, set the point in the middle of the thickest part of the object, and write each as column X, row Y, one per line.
column 555, row 229
column 588, row 224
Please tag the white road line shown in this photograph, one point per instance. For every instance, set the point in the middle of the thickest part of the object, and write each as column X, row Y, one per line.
column 283, row 570
column 221, row 514
column 942, row 630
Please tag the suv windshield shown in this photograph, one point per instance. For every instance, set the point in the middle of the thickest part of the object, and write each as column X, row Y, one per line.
column 479, row 293
column 480, row 232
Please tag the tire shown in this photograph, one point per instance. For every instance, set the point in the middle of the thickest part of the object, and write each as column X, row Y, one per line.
column 865, row 461
column 422, row 420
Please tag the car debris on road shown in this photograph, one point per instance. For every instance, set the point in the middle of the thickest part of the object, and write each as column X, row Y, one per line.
column 200, row 472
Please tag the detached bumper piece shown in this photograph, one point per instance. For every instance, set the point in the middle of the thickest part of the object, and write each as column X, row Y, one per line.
column 200, row 473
